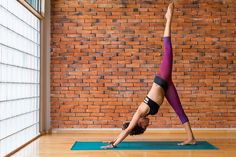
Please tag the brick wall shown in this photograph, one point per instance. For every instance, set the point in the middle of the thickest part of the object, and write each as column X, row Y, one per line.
column 104, row 54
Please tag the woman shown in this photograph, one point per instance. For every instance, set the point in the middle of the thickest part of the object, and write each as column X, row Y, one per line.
column 162, row 87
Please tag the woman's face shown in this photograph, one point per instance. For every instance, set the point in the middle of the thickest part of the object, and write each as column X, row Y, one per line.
column 143, row 122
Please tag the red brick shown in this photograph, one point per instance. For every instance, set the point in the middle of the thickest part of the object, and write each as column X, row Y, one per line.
column 103, row 62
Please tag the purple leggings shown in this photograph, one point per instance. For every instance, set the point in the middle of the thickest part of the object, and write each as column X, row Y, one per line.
column 165, row 73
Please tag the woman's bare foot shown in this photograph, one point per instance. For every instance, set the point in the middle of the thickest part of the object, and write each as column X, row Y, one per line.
column 188, row 142
column 170, row 11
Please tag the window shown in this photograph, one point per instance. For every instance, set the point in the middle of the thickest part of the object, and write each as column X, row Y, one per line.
column 19, row 75
column 35, row 6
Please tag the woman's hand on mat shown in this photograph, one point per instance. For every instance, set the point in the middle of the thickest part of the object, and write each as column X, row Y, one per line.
column 107, row 147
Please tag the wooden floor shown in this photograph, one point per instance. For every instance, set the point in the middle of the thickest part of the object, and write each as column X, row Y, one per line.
column 59, row 144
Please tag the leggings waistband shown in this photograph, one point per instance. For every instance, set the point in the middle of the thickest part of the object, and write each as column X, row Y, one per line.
column 160, row 81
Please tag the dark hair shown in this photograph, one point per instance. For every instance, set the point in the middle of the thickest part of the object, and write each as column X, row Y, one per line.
column 137, row 130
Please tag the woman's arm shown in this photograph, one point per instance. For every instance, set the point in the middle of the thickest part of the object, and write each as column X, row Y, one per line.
column 125, row 133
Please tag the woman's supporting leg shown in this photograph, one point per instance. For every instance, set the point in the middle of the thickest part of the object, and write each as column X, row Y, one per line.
column 173, row 99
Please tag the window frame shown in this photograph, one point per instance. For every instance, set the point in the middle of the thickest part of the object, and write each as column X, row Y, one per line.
column 38, row 14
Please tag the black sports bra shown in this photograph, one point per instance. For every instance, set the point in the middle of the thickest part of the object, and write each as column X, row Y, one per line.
column 154, row 107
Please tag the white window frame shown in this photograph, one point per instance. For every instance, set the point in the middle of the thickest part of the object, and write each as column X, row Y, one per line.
column 44, row 124
column 40, row 14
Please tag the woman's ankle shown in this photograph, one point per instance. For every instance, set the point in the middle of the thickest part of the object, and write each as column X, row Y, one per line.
column 191, row 138
column 169, row 20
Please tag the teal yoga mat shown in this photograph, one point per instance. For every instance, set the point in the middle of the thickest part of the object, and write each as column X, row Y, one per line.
column 144, row 145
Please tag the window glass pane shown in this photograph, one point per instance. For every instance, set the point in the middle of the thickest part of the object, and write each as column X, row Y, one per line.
column 35, row 4
column 19, row 75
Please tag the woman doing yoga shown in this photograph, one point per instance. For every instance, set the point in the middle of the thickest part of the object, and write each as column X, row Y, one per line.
column 162, row 87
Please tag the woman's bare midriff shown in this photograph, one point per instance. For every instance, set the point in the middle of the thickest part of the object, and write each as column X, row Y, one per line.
column 156, row 93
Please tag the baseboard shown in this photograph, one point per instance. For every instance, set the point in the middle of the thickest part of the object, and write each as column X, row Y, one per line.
column 149, row 130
